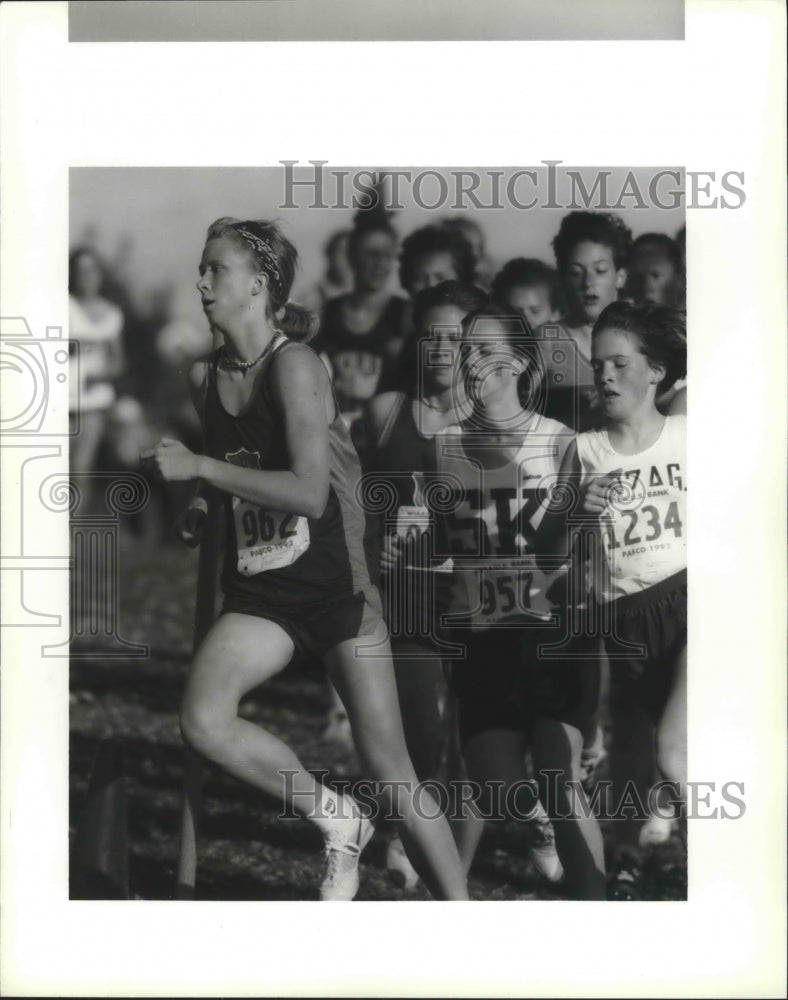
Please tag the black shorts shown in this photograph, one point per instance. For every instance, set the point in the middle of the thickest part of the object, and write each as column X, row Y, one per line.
column 317, row 628
column 411, row 599
column 655, row 620
column 503, row 684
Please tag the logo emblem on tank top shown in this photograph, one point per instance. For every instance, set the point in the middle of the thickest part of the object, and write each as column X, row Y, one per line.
column 244, row 458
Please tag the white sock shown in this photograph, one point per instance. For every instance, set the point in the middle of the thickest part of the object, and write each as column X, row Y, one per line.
column 332, row 809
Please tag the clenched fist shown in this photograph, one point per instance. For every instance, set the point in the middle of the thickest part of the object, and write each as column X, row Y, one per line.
column 172, row 461
column 599, row 492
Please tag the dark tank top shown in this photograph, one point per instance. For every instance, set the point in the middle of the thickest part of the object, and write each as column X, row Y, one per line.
column 407, row 461
column 363, row 364
column 402, row 452
column 281, row 559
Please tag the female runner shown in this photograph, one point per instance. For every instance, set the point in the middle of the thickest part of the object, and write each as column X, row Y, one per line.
column 591, row 251
column 278, row 451
column 502, row 608
column 632, row 478
column 362, row 332
column 97, row 325
column 402, row 429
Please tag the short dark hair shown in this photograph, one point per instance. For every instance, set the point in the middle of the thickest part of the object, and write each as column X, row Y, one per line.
column 522, row 272
column 662, row 332
column 464, row 296
column 663, row 243
column 436, row 239
column 596, row 227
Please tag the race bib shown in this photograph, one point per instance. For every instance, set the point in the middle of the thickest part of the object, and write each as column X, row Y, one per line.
column 412, row 522
column 510, row 590
column 267, row 539
column 643, row 534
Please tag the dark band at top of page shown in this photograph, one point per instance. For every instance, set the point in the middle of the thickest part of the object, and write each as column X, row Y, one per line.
column 373, row 20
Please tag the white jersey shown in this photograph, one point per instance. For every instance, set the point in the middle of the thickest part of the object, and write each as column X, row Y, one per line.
column 490, row 531
column 643, row 529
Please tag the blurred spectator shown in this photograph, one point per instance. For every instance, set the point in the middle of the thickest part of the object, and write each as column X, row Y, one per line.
column 434, row 254
column 337, row 278
column 362, row 333
column 96, row 324
column 178, row 345
column 473, row 234
column 681, row 243
column 591, row 251
column 531, row 288
column 655, row 272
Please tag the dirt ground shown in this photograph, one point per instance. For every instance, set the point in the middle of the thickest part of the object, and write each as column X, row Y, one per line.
column 245, row 852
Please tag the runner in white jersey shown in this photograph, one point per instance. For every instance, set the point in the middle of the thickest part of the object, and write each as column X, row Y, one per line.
column 496, row 468
column 631, row 482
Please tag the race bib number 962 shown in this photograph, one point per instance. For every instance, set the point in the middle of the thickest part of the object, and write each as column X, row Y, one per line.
column 267, row 539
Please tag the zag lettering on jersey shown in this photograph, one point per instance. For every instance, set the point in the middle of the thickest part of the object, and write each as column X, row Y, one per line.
column 644, row 526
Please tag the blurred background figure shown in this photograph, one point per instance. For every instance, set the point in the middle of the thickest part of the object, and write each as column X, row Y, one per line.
column 177, row 345
column 403, row 428
column 681, row 243
column 362, row 333
column 591, row 252
column 337, row 279
column 655, row 272
column 473, row 234
column 96, row 324
column 531, row 288
column 434, row 254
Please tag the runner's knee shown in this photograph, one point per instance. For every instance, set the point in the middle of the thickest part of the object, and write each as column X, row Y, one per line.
column 202, row 728
column 672, row 756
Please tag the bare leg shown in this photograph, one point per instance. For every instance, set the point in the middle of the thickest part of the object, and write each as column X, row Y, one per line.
column 84, row 449
column 631, row 761
column 467, row 819
column 495, row 755
column 419, row 684
column 84, row 446
column 368, row 689
column 557, row 747
column 672, row 729
column 239, row 653
column 671, row 745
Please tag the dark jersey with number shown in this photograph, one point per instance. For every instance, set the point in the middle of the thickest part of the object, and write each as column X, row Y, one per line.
column 363, row 364
column 276, row 558
column 405, row 460
column 490, row 529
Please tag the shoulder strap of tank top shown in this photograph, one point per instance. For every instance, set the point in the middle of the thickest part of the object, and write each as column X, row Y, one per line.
column 391, row 419
column 211, row 361
column 280, row 342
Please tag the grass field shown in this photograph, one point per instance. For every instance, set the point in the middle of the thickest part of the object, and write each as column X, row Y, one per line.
column 246, row 852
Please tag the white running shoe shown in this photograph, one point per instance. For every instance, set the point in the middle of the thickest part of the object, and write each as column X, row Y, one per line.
column 342, row 851
column 397, row 863
column 541, row 848
column 655, row 831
